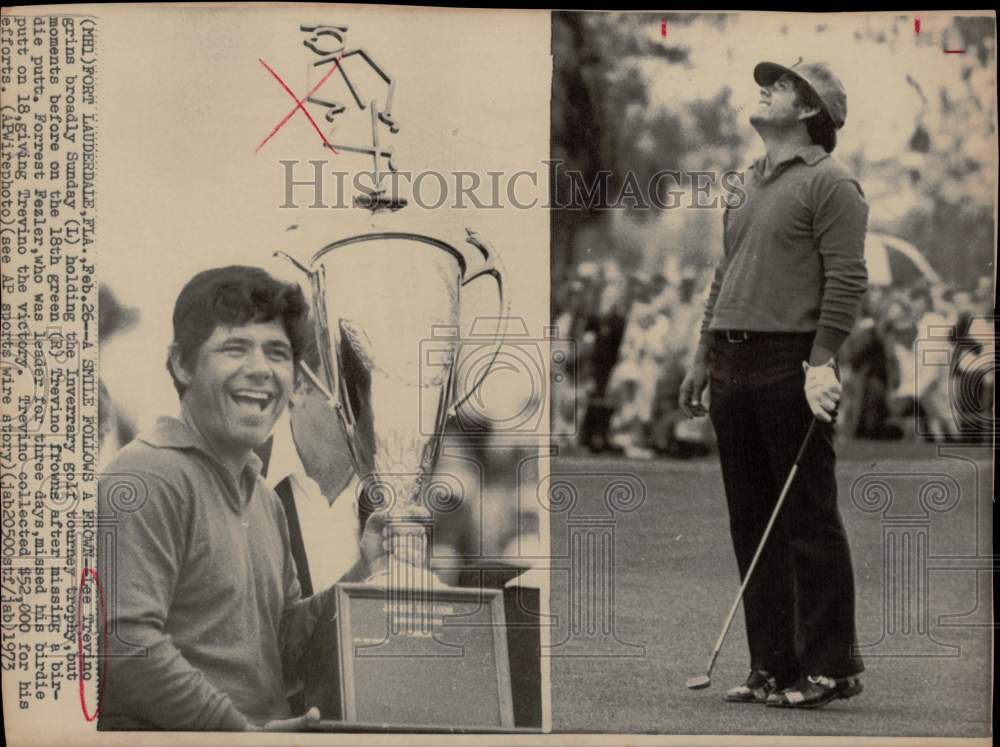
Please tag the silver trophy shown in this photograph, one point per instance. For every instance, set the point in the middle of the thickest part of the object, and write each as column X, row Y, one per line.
column 376, row 298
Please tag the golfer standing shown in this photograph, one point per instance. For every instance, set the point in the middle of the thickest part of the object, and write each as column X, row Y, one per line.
column 784, row 297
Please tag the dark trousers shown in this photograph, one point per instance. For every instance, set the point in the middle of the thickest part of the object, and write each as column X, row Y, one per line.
column 799, row 604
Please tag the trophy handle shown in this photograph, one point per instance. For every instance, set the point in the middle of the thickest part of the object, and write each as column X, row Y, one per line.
column 294, row 262
column 489, row 263
column 344, row 416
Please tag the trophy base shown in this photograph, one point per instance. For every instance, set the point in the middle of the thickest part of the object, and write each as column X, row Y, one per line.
column 391, row 659
column 327, row 681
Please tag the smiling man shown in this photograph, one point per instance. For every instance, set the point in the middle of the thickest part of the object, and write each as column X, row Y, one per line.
column 206, row 621
column 785, row 296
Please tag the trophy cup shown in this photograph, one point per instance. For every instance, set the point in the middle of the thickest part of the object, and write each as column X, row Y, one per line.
column 402, row 650
column 376, row 297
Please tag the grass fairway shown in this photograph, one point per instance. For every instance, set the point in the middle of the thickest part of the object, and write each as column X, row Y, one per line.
column 648, row 589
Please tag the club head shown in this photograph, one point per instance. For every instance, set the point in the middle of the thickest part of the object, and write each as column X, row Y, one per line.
column 699, row 683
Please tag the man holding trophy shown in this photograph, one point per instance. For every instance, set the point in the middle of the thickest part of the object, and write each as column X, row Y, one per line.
column 208, row 628
column 207, row 620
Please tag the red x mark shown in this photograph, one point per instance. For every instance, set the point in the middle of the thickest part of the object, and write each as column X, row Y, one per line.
column 298, row 105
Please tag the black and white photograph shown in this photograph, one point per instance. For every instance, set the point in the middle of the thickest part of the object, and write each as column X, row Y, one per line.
column 773, row 251
column 387, row 374
column 305, row 517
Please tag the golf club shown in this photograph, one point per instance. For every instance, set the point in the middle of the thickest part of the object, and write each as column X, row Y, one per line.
column 702, row 681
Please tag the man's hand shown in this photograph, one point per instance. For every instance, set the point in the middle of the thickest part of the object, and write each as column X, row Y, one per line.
column 692, row 388
column 374, row 545
column 299, row 723
column 822, row 389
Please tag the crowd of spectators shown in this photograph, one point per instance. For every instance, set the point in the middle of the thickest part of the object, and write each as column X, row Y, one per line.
column 919, row 363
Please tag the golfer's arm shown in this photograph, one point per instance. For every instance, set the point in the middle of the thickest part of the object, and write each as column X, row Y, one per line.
column 839, row 225
column 701, row 351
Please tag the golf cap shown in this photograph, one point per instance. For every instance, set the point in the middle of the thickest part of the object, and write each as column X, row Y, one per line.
column 818, row 76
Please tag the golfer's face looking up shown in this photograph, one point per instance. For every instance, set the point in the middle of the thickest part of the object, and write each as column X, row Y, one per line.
column 240, row 384
column 778, row 104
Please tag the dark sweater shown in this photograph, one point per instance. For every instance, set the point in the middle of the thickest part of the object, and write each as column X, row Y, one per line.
column 205, row 612
column 793, row 252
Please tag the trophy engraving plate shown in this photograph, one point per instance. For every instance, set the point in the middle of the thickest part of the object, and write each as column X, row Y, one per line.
column 430, row 659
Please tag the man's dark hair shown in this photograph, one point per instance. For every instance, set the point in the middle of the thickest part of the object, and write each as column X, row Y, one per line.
column 233, row 296
column 820, row 127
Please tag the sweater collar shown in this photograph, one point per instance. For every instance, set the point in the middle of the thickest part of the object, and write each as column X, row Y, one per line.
column 173, row 433
column 809, row 154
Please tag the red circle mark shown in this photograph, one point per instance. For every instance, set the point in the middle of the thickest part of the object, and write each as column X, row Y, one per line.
column 663, row 28
column 81, row 658
column 916, row 25
column 299, row 104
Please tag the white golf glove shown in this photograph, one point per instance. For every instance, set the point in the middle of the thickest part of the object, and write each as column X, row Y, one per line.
column 822, row 389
